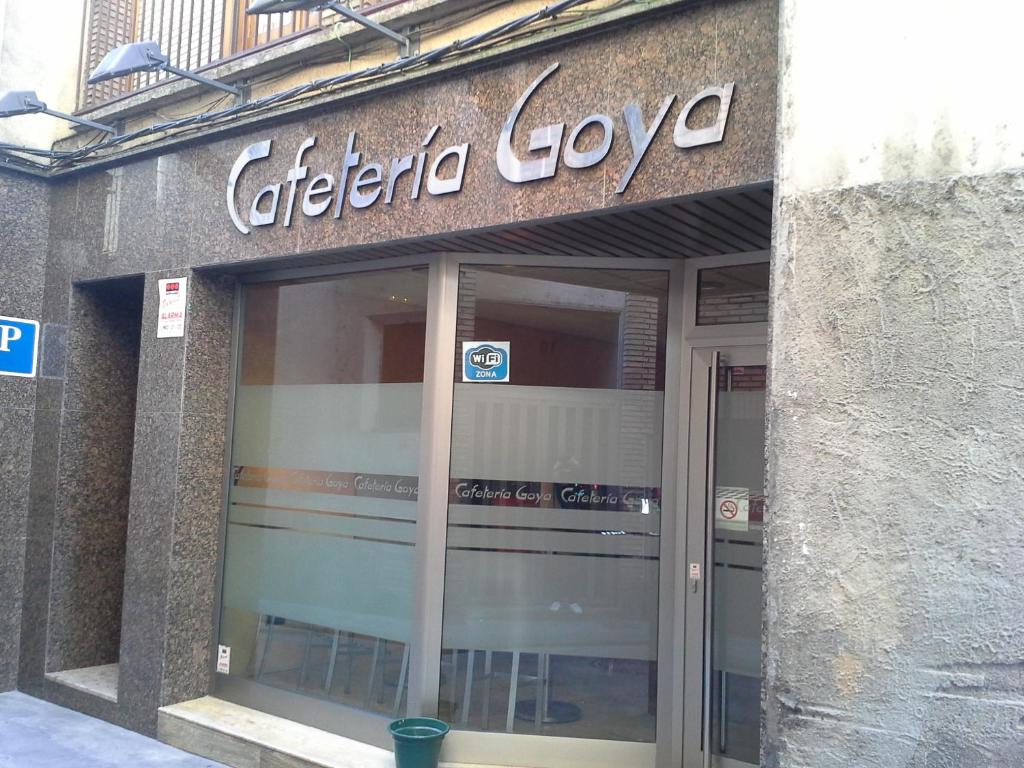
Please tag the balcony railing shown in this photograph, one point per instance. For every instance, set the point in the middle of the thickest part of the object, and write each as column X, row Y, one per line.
column 192, row 33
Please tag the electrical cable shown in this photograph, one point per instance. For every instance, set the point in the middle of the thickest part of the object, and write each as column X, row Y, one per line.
column 66, row 158
column 51, row 153
column 207, row 106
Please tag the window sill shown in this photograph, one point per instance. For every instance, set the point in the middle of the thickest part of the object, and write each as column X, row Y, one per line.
column 242, row 737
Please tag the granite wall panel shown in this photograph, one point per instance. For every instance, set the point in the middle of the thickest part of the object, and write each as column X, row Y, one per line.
column 97, row 426
column 199, row 492
column 15, row 424
column 61, row 252
column 24, row 222
column 169, row 211
column 151, row 519
column 176, row 501
column 39, row 549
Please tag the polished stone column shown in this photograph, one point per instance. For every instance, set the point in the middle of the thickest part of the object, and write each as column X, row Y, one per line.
column 176, row 502
column 24, row 221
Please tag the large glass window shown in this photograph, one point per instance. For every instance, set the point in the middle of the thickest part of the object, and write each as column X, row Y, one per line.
column 551, row 582
column 320, row 552
column 734, row 294
column 736, row 601
column 552, row 512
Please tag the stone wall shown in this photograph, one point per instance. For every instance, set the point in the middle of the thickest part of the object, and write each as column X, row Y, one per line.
column 894, row 577
column 93, row 476
column 894, row 571
column 23, row 203
column 169, row 210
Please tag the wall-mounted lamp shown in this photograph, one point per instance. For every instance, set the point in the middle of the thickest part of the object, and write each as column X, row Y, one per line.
column 147, row 57
column 27, row 103
column 283, row 6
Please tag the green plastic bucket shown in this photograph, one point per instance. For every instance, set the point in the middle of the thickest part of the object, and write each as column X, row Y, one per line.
column 417, row 741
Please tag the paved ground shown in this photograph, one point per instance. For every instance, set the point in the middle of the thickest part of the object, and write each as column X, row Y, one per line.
column 36, row 734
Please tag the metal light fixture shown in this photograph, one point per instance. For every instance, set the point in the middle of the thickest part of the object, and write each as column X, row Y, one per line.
column 283, row 6
column 27, row 103
column 147, row 57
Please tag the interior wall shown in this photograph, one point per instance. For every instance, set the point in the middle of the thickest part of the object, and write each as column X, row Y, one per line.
column 545, row 357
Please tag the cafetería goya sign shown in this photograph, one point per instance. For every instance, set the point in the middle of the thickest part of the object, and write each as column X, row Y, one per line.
column 361, row 184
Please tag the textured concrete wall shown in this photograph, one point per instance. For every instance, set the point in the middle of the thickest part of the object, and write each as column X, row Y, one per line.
column 24, row 220
column 882, row 91
column 894, row 574
column 42, row 55
column 895, row 578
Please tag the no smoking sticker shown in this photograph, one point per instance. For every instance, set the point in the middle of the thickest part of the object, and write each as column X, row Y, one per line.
column 732, row 507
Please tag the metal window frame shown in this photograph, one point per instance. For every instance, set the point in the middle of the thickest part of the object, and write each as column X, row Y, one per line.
column 558, row 751
column 350, row 722
column 675, row 625
column 701, row 354
column 727, row 332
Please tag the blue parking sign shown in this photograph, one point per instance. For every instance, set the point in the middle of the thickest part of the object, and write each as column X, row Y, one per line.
column 19, row 346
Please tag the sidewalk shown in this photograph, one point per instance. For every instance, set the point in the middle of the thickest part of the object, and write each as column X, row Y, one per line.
column 36, row 734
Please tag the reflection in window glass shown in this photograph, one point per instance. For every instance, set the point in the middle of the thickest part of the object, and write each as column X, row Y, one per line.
column 739, row 523
column 320, row 549
column 551, row 582
column 728, row 295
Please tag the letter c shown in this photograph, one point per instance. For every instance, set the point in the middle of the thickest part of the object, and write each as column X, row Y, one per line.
column 257, row 151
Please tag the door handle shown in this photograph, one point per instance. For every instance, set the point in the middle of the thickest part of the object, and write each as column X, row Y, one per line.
column 709, row 557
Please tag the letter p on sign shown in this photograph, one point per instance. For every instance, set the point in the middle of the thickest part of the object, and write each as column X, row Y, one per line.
column 9, row 333
column 19, row 346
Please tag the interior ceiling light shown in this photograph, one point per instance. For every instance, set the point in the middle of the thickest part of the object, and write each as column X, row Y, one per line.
column 147, row 57
column 283, row 6
column 27, row 103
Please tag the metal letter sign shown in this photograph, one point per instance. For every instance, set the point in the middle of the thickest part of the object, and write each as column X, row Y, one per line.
column 363, row 181
column 19, row 347
column 549, row 138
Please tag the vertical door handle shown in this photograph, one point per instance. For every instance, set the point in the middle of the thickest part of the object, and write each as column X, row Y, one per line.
column 709, row 558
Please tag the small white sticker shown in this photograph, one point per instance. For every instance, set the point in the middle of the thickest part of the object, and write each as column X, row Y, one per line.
column 224, row 659
column 694, row 571
column 172, row 308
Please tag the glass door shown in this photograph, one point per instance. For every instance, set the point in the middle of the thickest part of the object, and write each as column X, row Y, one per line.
column 553, row 555
column 727, row 502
